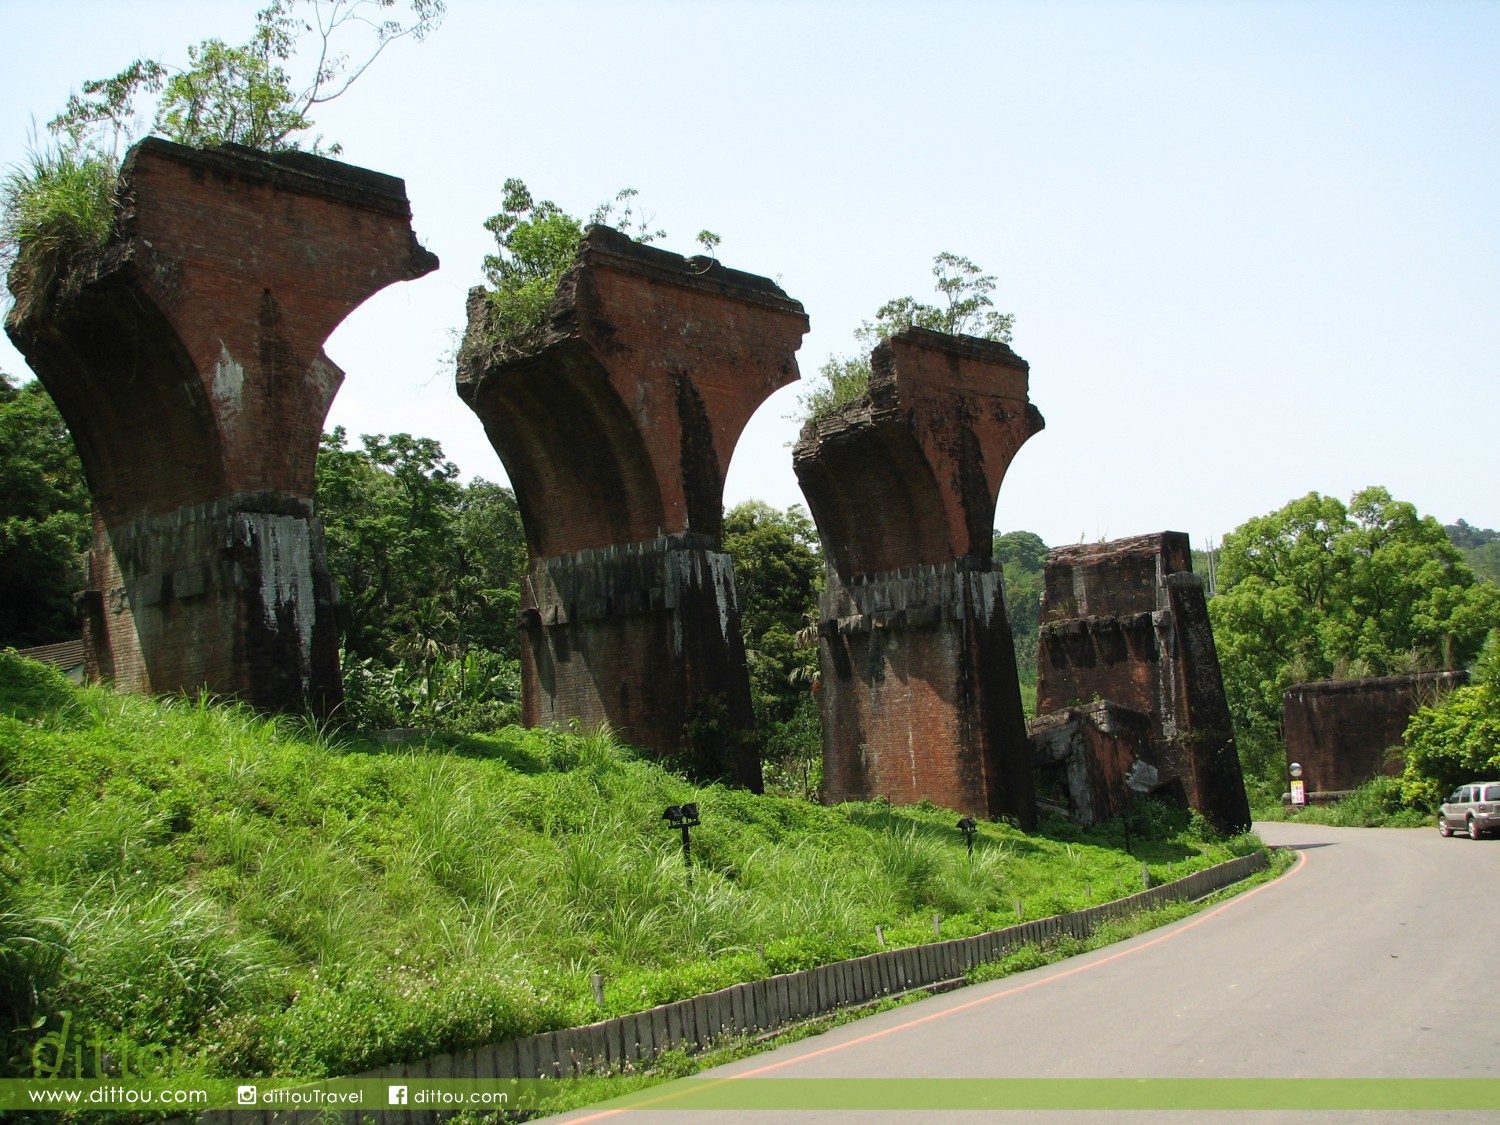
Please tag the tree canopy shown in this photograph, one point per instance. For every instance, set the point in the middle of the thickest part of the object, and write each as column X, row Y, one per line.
column 1457, row 738
column 1481, row 548
column 1022, row 558
column 428, row 571
column 44, row 519
column 1320, row 590
column 61, row 201
column 778, row 572
column 245, row 94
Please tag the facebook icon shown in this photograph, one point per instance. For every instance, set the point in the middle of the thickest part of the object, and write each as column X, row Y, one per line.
column 397, row 1095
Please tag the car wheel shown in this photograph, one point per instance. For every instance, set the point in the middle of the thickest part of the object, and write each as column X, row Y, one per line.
column 1443, row 830
column 1474, row 830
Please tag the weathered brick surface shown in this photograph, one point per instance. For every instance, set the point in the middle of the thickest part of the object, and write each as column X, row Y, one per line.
column 919, row 690
column 647, row 637
column 1343, row 732
column 1083, row 754
column 616, row 430
column 188, row 363
column 1127, row 622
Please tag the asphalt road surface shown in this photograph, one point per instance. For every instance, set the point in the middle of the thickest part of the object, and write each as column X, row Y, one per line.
column 1377, row 956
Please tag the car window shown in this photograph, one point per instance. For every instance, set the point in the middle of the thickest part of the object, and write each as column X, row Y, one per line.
column 1462, row 796
column 1492, row 793
column 1456, row 796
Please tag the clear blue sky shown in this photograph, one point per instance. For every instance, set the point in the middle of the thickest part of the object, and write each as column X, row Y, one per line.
column 1253, row 249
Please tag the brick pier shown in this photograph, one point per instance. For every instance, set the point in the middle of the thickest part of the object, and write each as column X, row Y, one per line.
column 919, row 690
column 616, row 429
column 187, row 361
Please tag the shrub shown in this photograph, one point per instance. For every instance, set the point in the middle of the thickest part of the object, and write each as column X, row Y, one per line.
column 60, row 205
column 535, row 243
column 1454, row 741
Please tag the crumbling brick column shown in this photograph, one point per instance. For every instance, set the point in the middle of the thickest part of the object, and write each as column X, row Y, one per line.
column 1344, row 733
column 187, row 361
column 919, row 691
column 616, row 428
column 1083, row 755
column 1127, row 622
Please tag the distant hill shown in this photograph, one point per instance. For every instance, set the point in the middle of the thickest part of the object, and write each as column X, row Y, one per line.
column 1481, row 547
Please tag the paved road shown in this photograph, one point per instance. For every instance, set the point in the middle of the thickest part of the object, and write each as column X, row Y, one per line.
column 1378, row 956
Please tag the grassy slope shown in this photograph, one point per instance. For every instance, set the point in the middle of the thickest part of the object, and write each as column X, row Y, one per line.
column 266, row 901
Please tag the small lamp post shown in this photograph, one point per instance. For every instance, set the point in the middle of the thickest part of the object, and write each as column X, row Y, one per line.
column 1299, row 787
column 684, row 817
column 969, row 826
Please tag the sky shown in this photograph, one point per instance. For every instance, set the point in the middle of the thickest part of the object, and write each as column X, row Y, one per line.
column 1252, row 249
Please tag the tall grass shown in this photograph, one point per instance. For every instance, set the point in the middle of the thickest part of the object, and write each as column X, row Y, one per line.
column 31, row 953
column 267, row 900
column 58, row 204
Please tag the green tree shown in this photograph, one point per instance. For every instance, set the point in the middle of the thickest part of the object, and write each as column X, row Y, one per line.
column 245, row 94
column 1464, row 536
column 61, row 201
column 967, row 310
column 389, row 511
column 489, row 560
column 1485, row 560
column 1457, row 738
column 535, row 243
column 1318, row 590
column 1022, row 558
column 44, row 519
column 778, row 571
column 1481, row 548
column 428, row 572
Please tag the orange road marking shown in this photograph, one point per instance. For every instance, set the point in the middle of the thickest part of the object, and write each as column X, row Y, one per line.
column 920, row 1020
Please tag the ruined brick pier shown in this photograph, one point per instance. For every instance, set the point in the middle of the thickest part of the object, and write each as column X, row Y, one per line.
column 919, row 690
column 187, row 361
column 616, row 428
column 1343, row 733
column 1127, row 622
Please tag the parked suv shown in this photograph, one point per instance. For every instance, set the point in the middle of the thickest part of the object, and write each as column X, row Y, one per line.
column 1474, row 809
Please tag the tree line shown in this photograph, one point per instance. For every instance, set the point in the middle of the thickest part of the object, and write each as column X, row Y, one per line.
column 429, row 570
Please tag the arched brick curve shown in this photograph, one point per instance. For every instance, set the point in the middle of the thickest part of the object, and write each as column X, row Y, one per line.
column 574, row 456
column 919, row 691
column 616, row 427
column 187, row 360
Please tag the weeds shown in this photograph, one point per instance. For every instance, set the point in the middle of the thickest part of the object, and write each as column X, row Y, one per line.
column 59, row 201
column 1375, row 804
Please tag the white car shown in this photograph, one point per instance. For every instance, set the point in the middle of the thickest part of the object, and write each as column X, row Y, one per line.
column 1474, row 809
